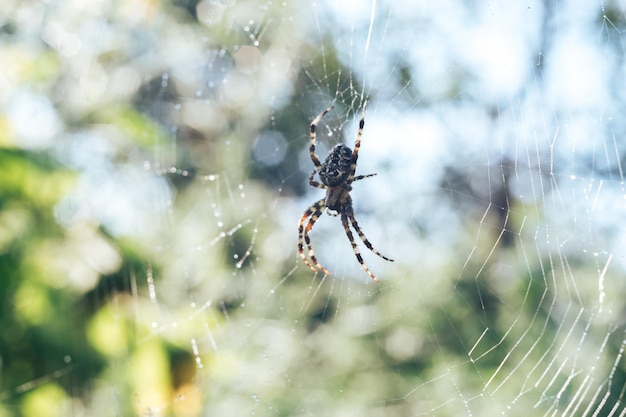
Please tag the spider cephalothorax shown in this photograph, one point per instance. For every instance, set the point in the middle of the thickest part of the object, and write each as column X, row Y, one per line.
column 337, row 173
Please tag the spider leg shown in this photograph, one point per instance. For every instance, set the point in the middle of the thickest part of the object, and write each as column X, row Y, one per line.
column 357, row 144
column 350, row 214
column 303, row 234
column 314, row 183
column 355, row 248
column 360, row 177
column 314, row 123
column 306, row 215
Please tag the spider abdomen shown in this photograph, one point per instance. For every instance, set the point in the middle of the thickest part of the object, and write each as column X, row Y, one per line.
column 336, row 167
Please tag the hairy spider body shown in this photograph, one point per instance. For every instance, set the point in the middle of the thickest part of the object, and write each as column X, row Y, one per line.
column 337, row 173
column 336, row 167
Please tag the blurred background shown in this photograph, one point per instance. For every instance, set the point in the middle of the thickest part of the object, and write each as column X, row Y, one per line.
column 154, row 157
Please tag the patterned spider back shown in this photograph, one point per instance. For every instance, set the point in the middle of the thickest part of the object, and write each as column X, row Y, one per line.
column 336, row 167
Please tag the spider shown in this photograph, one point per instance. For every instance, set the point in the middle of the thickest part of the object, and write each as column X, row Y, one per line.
column 337, row 175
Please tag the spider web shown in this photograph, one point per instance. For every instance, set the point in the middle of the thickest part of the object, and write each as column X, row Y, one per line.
column 496, row 134
column 515, row 193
